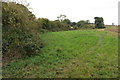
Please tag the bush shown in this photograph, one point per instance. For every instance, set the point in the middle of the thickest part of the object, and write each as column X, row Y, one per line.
column 20, row 31
column 28, row 43
column 43, row 30
column 75, row 27
column 58, row 26
column 44, row 23
column 88, row 26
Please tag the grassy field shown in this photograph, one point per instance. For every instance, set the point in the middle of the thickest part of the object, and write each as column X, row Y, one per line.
column 71, row 54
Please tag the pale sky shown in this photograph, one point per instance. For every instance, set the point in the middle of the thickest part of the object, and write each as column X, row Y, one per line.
column 76, row 10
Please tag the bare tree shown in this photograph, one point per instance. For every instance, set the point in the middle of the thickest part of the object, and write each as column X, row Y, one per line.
column 61, row 17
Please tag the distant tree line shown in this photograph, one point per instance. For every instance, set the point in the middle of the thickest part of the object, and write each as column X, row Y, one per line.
column 63, row 24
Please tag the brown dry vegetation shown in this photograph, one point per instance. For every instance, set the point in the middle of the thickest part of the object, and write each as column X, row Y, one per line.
column 112, row 28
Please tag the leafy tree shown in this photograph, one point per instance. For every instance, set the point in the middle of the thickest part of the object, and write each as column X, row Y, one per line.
column 87, row 21
column 73, row 23
column 67, row 21
column 84, row 24
column 81, row 23
column 58, row 26
column 44, row 23
column 99, row 22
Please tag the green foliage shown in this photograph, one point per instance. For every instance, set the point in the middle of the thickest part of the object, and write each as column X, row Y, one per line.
column 84, row 24
column 99, row 22
column 20, row 30
column 62, row 24
column 88, row 26
column 67, row 21
column 44, row 22
column 73, row 23
column 75, row 27
column 17, row 15
column 58, row 26
column 81, row 23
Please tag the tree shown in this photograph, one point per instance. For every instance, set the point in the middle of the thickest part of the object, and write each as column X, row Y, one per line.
column 73, row 23
column 87, row 21
column 61, row 17
column 99, row 22
column 81, row 23
column 44, row 23
column 58, row 18
column 67, row 21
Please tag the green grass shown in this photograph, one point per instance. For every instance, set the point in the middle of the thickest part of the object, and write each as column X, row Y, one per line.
column 75, row 54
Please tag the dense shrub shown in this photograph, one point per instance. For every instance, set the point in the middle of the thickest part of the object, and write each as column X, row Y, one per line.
column 88, row 26
column 17, row 15
column 62, row 24
column 19, row 32
column 44, row 23
column 47, row 25
column 58, row 26
column 84, row 24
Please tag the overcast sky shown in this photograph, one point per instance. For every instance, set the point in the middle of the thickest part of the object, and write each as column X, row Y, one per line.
column 76, row 10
